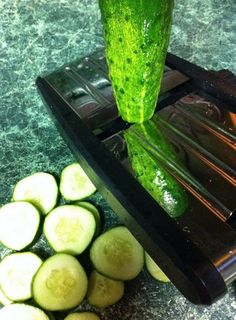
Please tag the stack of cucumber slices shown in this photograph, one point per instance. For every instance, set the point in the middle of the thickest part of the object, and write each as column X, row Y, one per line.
column 32, row 288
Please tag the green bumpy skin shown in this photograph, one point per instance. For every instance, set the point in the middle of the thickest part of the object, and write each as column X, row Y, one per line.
column 150, row 173
column 136, row 36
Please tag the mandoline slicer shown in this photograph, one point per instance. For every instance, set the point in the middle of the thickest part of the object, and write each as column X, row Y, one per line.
column 196, row 113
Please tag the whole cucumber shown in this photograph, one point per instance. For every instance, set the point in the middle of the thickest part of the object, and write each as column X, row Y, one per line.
column 136, row 36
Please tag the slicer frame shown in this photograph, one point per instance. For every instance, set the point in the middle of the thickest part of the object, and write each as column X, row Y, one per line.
column 201, row 277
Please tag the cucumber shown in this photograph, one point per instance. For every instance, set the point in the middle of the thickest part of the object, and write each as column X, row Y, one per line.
column 22, row 312
column 117, row 254
column 40, row 189
column 3, row 299
column 136, row 52
column 69, row 229
column 19, row 223
column 154, row 270
column 89, row 206
column 75, row 184
column 103, row 291
column 16, row 274
column 60, row 283
column 82, row 316
column 151, row 174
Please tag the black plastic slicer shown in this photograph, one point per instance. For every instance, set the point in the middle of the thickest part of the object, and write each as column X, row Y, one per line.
column 196, row 113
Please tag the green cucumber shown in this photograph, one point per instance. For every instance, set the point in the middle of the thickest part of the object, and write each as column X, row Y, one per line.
column 16, row 274
column 82, row 316
column 136, row 39
column 117, row 254
column 22, row 312
column 75, row 184
column 89, row 206
column 40, row 189
column 60, row 283
column 3, row 299
column 103, row 291
column 154, row 270
column 19, row 223
column 151, row 174
column 69, row 229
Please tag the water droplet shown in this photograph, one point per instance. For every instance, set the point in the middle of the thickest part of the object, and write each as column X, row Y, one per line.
column 186, row 229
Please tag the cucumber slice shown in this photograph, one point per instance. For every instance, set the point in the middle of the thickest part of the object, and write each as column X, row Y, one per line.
column 154, row 270
column 89, row 206
column 103, row 291
column 82, row 316
column 69, row 229
column 19, row 223
column 23, row 312
column 60, row 283
column 3, row 299
column 75, row 184
column 16, row 273
column 40, row 189
column 117, row 254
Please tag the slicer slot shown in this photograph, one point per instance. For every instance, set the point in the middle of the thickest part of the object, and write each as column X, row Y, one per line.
column 87, row 86
column 210, row 126
column 200, row 152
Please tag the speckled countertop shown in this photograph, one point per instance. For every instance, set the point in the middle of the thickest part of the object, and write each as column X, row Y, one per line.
column 41, row 35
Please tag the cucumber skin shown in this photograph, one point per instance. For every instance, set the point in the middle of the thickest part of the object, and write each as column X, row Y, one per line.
column 136, row 37
column 152, row 176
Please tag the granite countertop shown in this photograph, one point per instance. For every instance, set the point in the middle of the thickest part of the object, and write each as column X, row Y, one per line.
column 39, row 36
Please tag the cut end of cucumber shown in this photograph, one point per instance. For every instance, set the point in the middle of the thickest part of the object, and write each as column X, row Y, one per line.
column 23, row 312
column 19, row 223
column 117, row 254
column 75, row 184
column 69, row 229
column 82, row 316
column 16, row 273
column 40, row 189
column 103, row 291
column 154, row 270
column 60, row 283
